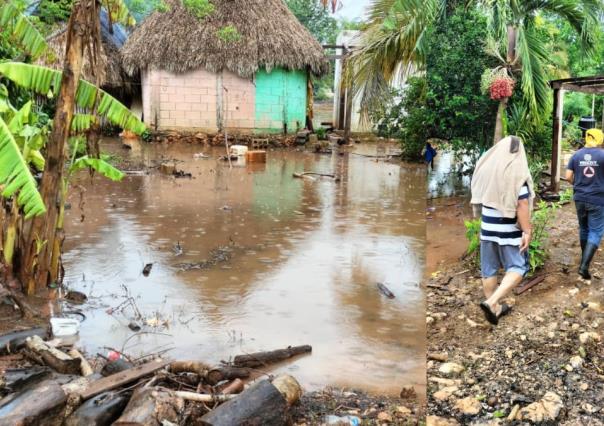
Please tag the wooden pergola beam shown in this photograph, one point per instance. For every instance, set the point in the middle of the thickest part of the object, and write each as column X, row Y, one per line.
column 557, row 139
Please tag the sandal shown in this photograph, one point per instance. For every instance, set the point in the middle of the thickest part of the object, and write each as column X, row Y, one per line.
column 489, row 314
column 505, row 310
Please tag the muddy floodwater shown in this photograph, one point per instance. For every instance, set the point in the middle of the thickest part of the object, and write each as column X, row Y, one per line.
column 249, row 259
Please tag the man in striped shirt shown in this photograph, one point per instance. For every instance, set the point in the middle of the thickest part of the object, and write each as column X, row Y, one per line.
column 502, row 187
column 504, row 242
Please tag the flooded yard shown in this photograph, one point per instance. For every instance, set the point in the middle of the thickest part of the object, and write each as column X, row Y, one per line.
column 250, row 258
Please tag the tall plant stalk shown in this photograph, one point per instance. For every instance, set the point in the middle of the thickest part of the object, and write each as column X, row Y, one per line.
column 39, row 270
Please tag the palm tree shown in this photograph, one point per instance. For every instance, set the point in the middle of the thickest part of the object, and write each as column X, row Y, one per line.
column 395, row 41
column 514, row 40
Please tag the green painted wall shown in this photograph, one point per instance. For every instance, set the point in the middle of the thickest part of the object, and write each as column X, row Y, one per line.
column 280, row 98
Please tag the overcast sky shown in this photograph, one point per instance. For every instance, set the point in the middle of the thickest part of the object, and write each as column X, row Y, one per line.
column 353, row 9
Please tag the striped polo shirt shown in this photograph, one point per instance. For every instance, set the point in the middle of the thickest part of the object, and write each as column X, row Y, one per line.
column 502, row 230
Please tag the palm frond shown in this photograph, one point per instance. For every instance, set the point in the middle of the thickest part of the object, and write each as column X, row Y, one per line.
column 47, row 81
column 16, row 177
column 98, row 165
column 392, row 46
column 533, row 60
column 24, row 32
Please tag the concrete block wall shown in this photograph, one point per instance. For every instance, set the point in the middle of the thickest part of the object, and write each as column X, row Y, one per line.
column 239, row 102
column 196, row 101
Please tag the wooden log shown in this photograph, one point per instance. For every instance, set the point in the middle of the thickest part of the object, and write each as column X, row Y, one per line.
column 120, row 379
column 52, row 357
column 197, row 367
column 84, row 364
column 15, row 340
column 261, row 404
column 260, row 359
column 232, row 388
column 219, row 374
column 35, row 406
column 150, row 407
column 17, row 379
column 101, row 410
column 289, row 388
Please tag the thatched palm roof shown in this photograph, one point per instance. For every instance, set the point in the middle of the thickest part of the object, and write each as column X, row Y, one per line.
column 110, row 72
column 271, row 36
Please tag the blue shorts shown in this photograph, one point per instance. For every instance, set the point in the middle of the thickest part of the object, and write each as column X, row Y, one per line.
column 493, row 257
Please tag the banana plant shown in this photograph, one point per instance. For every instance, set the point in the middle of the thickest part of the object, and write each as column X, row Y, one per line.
column 22, row 29
column 46, row 81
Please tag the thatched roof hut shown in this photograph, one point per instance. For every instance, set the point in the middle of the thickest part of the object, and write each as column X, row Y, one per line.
column 270, row 37
column 110, row 72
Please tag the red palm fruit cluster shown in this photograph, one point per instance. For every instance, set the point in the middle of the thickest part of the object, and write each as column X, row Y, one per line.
column 501, row 88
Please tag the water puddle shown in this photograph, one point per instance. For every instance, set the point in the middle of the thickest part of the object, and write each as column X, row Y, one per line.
column 249, row 258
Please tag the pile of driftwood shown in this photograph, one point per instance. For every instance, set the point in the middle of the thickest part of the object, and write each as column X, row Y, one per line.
column 59, row 386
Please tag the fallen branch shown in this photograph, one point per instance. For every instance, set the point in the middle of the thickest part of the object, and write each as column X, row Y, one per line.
column 120, row 379
column 301, row 175
column 259, row 359
column 219, row 374
column 198, row 397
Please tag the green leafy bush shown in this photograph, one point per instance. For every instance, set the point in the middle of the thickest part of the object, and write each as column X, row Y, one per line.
column 542, row 218
column 229, row 34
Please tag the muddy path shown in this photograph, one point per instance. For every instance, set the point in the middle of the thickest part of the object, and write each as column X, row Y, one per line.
column 543, row 364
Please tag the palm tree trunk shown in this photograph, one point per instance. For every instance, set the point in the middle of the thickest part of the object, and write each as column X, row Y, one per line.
column 500, row 121
column 35, row 270
column 500, row 127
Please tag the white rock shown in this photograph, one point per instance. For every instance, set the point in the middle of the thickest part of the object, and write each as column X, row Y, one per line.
column 469, row 406
column 546, row 409
column 445, row 393
column 440, row 421
column 451, row 369
column 576, row 362
column 589, row 336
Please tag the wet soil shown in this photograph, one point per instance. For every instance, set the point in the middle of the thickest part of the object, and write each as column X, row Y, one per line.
column 549, row 344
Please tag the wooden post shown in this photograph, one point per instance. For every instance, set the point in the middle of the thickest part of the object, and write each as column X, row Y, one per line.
column 557, row 139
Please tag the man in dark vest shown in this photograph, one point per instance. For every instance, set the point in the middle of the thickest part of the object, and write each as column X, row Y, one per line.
column 586, row 172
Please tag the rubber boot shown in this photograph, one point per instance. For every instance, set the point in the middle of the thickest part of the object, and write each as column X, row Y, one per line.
column 588, row 255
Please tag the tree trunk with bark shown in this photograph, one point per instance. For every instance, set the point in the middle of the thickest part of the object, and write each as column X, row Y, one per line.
column 500, row 127
column 37, row 270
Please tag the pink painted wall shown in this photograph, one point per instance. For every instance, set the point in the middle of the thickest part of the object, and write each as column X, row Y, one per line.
column 192, row 101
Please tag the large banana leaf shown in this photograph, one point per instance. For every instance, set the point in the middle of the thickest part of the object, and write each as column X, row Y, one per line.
column 101, row 166
column 16, row 177
column 26, row 34
column 82, row 122
column 47, row 81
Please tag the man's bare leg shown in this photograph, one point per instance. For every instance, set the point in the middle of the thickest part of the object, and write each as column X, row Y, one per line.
column 489, row 285
column 510, row 282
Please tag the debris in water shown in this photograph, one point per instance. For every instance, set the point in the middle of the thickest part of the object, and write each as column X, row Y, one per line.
column 177, row 248
column 76, row 297
column 147, row 269
column 201, row 155
column 134, row 326
column 385, row 291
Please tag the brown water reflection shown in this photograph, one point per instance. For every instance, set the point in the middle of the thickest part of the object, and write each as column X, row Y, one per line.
column 305, row 257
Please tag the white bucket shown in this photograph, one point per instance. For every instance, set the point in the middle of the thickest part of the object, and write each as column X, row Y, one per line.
column 239, row 150
column 62, row 327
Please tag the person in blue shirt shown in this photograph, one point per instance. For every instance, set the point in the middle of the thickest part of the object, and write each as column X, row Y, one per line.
column 429, row 155
column 586, row 172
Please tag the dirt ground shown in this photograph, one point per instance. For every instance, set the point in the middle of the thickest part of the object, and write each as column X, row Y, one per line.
column 543, row 364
